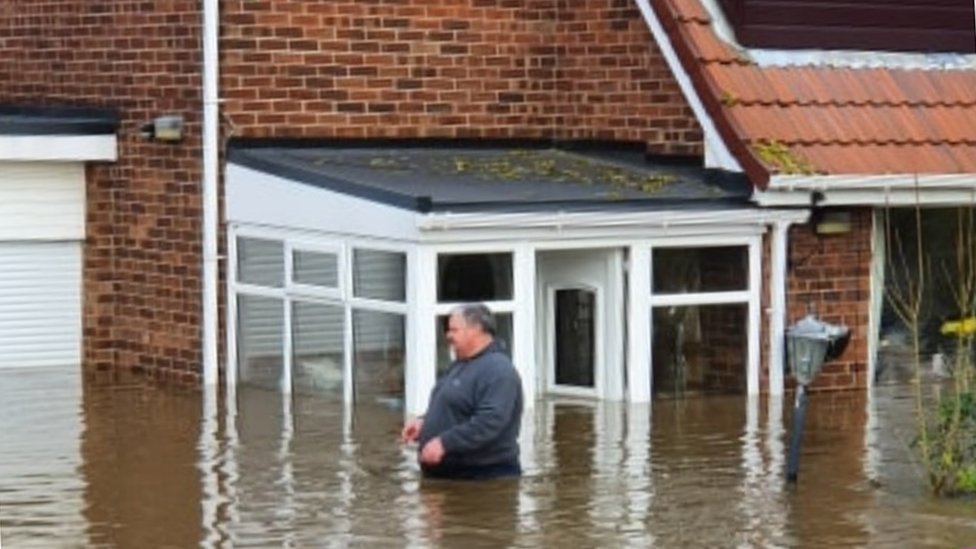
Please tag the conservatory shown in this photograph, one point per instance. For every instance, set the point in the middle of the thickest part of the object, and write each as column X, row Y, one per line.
column 611, row 277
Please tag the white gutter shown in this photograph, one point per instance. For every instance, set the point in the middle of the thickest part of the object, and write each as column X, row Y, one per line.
column 607, row 218
column 862, row 181
column 869, row 190
column 717, row 155
column 209, row 191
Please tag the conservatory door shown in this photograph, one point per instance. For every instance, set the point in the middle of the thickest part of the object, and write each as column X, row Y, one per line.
column 581, row 292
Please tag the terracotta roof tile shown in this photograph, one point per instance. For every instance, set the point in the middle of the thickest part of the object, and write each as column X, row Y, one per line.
column 840, row 120
column 706, row 46
column 898, row 158
column 854, row 123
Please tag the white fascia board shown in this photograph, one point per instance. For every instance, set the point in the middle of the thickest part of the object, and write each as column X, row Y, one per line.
column 606, row 237
column 717, row 154
column 870, row 190
column 58, row 148
column 258, row 198
column 621, row 222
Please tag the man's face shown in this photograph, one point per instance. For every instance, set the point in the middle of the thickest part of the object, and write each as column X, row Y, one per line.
column 461, row 336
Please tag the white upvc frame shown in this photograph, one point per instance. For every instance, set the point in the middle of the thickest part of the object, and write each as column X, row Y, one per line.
column 286, row 347
column 521, row 306
column 342, row 297
column 599, row 343
column 421, row 366
column 639, row 378
column 421, row 308
column 879, row 258
column 779, row 245
column 524, row 318
column 293, row 246
column 751, row 296
column 230, row 320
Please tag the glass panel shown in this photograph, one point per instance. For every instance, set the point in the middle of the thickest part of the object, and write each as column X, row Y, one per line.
column 317, row 354
column 700, row 348
column 317, row 268
column 503, row 325
column 260, row 262
column 944, row 233
column 694, row 270
column 380, row 275
column 380, row 351
column 470, row 278
column 575, row 337
column 260, row 341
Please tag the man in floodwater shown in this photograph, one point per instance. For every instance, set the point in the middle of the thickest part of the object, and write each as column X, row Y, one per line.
column 472, row 423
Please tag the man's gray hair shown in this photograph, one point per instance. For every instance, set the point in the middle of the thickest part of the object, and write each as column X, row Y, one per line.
column 477, row 314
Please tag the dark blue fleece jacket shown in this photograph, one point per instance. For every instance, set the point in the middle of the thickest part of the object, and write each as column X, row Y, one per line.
column 476, row 409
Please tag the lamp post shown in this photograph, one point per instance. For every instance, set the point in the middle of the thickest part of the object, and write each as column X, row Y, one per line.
column 809, row 343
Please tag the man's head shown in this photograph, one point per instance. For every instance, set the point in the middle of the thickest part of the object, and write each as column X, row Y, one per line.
column 470, row 329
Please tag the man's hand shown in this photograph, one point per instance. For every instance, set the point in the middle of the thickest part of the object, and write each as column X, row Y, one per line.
column 433, row 452
column 411, row 430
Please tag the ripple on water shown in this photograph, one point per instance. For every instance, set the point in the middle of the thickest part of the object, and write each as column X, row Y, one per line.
column 140, row 467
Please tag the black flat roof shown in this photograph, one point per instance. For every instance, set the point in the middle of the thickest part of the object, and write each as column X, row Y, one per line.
column 499, row 178
column 40, row 120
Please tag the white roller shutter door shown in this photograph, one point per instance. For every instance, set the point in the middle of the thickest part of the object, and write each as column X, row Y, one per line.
column 40, row 304
column 41, row 229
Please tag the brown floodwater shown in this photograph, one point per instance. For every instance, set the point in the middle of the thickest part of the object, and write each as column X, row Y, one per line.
column 142, row 467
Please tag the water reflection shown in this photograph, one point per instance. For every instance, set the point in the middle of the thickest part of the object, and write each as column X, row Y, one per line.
column 138, row 459
column 138, row 467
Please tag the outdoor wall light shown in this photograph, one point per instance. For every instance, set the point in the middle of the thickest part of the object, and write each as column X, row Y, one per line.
column 167, row 128
column 834, row 222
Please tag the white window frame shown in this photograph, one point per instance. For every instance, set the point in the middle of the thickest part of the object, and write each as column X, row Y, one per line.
column 751, row 296
column 421, row 374
column 351, row 245
column 291, row 247
column 599, row 367
column 342, row 296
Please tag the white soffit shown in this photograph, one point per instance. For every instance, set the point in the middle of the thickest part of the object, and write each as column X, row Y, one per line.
column 58, row 147
column 259, row 198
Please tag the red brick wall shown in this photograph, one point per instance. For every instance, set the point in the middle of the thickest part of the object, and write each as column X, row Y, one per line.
column 725, row 340
column 141, row 253
column 584, row 69
column 833, row 273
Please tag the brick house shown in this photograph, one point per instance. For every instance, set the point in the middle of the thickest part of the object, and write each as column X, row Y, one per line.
column 328, row 110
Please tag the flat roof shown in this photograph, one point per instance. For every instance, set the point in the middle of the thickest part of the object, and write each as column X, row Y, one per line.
column 43, row 120
column 430, row 178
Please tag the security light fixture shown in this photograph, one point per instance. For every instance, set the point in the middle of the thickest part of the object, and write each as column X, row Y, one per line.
column 166, row 128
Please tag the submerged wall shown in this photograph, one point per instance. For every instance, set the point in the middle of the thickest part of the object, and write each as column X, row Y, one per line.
column 549, row 69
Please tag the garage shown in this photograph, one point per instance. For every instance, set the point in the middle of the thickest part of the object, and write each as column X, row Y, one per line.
column 43, row 154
